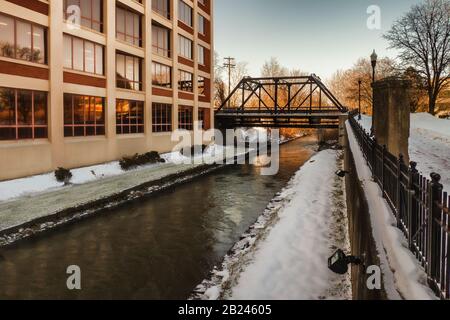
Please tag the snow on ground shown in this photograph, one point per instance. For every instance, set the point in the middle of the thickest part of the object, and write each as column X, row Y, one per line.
column 13, row 189
column 429, row 144
column 285, row 255
column 402, row 274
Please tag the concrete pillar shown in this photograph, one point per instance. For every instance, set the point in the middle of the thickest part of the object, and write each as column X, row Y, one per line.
column 342, row 130
column 391, row 115
column 56, row 95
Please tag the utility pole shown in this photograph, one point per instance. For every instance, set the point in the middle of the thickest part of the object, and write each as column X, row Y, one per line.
column 230, row 64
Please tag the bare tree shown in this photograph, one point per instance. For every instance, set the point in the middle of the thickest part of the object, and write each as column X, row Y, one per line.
column 219, row 84
column 423, row 37
column 345, row 83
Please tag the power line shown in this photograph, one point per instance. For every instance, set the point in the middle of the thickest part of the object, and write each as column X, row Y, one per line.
column 230, row 63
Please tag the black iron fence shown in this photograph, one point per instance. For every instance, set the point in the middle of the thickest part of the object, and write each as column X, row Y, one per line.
column 420, row 206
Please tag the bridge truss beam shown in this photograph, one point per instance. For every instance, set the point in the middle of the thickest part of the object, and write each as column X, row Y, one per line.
column 280, row 102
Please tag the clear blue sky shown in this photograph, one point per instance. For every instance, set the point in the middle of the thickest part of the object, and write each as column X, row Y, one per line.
column 316, row 36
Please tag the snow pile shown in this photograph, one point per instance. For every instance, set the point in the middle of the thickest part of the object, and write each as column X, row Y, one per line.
column 253, row 135
column 403, row 275
column 428, row 122
column 47, row 182
column 429, row 144
column 284, row 256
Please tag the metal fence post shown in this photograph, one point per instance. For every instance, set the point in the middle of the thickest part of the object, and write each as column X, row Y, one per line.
column 383, row 163
column 398, row 192
column 434, row 215
column 374, row 159
column 413, row 181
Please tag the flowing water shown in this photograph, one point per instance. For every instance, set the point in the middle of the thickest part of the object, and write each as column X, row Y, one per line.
column 158, row 248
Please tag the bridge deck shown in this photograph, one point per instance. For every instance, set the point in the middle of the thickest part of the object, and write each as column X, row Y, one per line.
column 306, row 120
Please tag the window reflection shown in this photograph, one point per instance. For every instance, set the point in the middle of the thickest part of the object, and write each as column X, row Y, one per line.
column 22, row 40
column 23, row 114
column 83, row 116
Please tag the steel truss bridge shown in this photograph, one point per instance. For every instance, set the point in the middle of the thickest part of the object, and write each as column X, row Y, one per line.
column 280, row 102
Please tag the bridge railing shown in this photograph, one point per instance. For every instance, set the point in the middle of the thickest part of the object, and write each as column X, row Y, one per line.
column 419, row 204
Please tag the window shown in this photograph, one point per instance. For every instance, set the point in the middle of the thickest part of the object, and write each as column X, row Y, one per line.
column 128, row 27
column 161, row 41
column 201, row 85
column 184, row 47
column 201, row 55
column 185, row 82
column 128, row 72
column 201, row 24
column 162, row 7
column 185, row 13
column 91, row 13
column 161, row 75
column 83, row 116
column 161, row 117
column 22, row 40
column 129, row 116
column 23, row 114
column 83, row 55
column 185, row 118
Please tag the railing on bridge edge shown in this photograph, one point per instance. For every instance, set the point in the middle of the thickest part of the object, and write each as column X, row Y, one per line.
column 419, row 205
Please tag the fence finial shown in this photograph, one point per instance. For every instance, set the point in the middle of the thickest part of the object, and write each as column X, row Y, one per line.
column 435, row 177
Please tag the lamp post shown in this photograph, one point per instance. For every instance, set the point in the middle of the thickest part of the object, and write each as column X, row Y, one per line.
column 373, row 59
column 359, row 90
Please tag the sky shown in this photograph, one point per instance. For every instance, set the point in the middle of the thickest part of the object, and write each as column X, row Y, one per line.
column 314, row 36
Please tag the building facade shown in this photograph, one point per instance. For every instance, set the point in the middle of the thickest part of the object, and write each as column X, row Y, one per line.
column 89, row 81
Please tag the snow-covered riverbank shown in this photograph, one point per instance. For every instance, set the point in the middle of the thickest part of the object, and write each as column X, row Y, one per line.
column 12, row 189
column 284, row 255
column 429, row 144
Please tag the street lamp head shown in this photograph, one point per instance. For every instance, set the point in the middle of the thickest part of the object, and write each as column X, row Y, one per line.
column 374, row 58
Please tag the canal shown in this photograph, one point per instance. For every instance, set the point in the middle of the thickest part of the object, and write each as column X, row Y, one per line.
column 159, row 248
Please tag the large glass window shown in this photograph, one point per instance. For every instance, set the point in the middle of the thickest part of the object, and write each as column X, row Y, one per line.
column 161, row 75
column 185, row 82
column 91, row 13
column 201, row 55
column 201, row 85
column 161, row 41
column 184, row 47
column 83, row 116
column 185, row 118
column 83, row 55
column 204, row 118
column 201, row 24
column 162, row 7
column 22, row 40
column 185, row 13
column 129, row 72
column 128, row 27
column 23, row 114
column 161, row 117
column 129, row 116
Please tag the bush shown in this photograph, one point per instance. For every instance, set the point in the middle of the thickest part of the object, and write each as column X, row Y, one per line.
column 63, row 175
column 193, row 151
column 128, row 163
